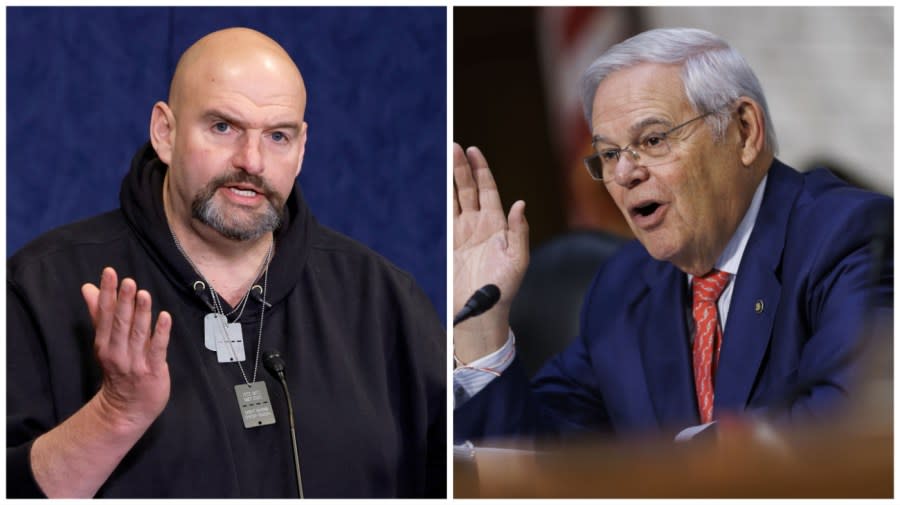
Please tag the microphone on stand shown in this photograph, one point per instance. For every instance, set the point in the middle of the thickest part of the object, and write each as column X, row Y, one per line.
column 275, row 365
column 481, row 301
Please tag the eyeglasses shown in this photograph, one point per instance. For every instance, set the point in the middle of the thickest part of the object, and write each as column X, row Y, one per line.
column 650, row 150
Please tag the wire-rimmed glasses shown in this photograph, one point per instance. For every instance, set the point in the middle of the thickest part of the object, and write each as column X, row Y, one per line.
column 649, row 150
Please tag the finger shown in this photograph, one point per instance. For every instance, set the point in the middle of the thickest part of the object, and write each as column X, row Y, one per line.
column 140, row 327
column 91, row 295
column 123, row 318
column 466, row 191
column 457, row 151
column 518, row 229
column 106, row 307
column 488, row 195
column 159, row 343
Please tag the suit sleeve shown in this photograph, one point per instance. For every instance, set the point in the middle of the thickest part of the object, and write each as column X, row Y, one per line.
column 849, row 308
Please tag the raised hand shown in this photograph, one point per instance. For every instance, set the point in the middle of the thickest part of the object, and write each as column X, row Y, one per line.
column 136, row 382
column 488, row 247
column 75, row 458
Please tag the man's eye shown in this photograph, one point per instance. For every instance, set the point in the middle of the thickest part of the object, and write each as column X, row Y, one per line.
column 279, row 137
column 221, row 127
column 609, row 155
column 653, row 141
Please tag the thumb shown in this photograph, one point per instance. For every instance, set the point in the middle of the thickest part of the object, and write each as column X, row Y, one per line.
column 518, row 229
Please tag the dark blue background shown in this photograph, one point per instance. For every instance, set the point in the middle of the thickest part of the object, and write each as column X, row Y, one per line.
column 81, row 83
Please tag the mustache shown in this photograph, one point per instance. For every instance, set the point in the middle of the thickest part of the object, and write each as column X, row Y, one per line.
column 245, row 178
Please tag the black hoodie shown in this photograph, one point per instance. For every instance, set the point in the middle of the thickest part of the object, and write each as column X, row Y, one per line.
column 365, row 355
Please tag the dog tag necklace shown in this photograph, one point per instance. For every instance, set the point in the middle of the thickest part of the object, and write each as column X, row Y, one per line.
column 222, row 337
column 252, row 396
column 225, row 338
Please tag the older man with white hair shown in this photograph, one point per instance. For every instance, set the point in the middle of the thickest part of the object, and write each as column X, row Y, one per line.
column 746, row 290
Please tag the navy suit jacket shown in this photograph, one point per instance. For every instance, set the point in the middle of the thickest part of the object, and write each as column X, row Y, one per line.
column 802, row 293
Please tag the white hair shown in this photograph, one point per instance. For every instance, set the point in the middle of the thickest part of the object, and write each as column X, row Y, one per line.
column 714, row 73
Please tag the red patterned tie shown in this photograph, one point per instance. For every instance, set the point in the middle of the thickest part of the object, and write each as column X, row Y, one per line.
column 708, row 338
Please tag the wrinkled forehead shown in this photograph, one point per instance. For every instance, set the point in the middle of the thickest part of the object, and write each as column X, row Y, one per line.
column 639, row 94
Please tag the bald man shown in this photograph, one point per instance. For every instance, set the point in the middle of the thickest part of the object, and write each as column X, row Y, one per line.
column 152, row 385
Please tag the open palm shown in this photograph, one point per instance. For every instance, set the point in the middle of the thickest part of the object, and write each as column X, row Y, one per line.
column 488, row 246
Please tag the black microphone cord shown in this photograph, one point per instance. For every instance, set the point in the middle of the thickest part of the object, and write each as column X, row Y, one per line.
column 287, row 395
column 275, row 365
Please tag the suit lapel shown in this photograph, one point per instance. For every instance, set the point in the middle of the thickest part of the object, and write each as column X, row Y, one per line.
column 757, row 292
column 747, row 334
column 663, row 341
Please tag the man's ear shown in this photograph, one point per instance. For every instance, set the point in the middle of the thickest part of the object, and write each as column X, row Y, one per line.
column 302, row 140
column 752, row 129
column 162, row 131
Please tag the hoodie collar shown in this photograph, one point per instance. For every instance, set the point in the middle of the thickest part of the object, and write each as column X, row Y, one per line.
column 141, row 202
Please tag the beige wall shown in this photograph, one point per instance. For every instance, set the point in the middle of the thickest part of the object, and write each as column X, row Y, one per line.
column 827, row 73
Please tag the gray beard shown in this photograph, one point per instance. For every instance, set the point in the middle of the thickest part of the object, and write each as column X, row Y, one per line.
column 234, row 225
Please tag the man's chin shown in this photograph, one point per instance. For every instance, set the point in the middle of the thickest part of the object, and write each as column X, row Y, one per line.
column 660, row 250
column 243, row 234
column 236, row 222
column 236, row 232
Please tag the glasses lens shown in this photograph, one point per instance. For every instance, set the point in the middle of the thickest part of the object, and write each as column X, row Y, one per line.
column 594, row 166
column 610, row 158
column 654, row 146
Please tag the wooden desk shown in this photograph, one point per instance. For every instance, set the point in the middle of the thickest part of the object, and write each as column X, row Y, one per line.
column 813, row 465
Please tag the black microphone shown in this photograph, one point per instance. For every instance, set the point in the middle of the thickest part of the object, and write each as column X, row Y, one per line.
column 275, row 365
column 481, row 301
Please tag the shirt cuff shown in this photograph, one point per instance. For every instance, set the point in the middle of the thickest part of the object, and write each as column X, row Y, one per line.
column 469, row 379
column 692, row 432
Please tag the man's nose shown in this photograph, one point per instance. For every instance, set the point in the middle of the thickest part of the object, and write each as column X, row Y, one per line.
column 249, row 155
column 629, row 172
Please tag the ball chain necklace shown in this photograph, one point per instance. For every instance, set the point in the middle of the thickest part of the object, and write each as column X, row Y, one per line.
column 226, row 338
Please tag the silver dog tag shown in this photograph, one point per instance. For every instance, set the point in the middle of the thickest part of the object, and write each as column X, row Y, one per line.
column 253, row 401
column 230, row 347
column 213, row 326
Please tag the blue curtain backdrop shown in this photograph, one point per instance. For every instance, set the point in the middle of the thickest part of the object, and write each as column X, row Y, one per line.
column 81, row 83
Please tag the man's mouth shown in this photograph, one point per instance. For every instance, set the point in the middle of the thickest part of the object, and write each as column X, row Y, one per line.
column 243, row 190
column 646, row 209
column 648, row 214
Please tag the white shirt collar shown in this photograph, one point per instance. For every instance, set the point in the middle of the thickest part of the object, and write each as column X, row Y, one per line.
column 730, row 259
